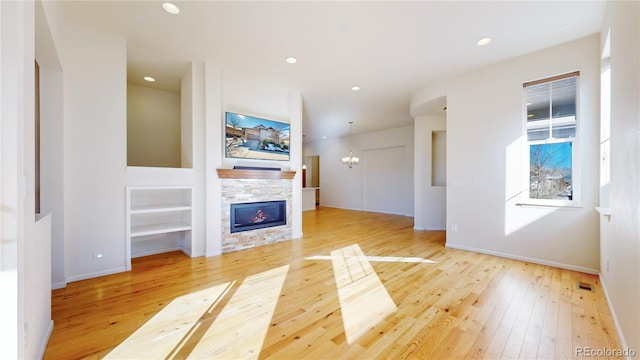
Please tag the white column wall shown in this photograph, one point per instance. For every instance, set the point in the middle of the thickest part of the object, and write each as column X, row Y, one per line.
column 196, row 102
column 25, row 274
column 51, row 166
column 214, row 153
column 620, row 237
column 431, row 201
column 11, row 181
column 95, row 146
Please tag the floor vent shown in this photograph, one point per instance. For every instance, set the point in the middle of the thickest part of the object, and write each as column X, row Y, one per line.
column 584, row 286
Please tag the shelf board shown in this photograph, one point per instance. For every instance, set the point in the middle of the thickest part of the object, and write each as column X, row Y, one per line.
column 159, row 228
column 159, row 208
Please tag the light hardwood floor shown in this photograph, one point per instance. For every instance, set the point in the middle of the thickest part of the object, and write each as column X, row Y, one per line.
column 358, row 285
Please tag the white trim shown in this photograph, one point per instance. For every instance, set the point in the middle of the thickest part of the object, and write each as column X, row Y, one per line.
column 96, row 274
column 159, row 169
column 58, row 285
column 549, row 203
column 575, row 148
column 429, row 228
column 524, row 258
column 363, row 210
column 623, row 342
column 45, row 340
column 604, row 211
column 159, row 251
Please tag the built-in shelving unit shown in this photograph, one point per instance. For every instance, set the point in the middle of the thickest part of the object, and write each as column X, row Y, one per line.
column 158, row 219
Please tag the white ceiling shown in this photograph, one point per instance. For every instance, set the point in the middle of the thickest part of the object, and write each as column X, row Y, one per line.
column 389, row 49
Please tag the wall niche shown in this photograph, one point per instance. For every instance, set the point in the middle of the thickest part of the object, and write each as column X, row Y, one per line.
column 155, row 118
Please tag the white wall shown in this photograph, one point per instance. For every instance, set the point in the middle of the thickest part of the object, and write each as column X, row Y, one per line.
column 485, row 162
column 431, row 200
column 212, row 93
column 95, row 152
column 48, row 30
column 620, row 237
column 153, row 127
column 51, row 166
column 11, row 181
column 24, row 245
column 195, row 98
column 38, row 324
column 227, row 91
column 342, row 187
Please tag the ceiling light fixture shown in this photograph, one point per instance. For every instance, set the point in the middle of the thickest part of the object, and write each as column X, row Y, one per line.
column 350, row 160
column 171, row 8
column 149, row 79
column 291, row 60
column 355, row 88
column 484, row 41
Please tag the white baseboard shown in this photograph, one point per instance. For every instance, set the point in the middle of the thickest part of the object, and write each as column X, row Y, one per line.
column 429, row 229
column 58, row 285
column 95, row 274
column 363, row 210
column 158, row 251
column 45, row 341
column 623, row 342
column 524, row 258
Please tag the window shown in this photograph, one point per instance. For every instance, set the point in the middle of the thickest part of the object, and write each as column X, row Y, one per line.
column 550, row 123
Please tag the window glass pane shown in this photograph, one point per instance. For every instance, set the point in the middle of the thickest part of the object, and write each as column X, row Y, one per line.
column 537, row 98
column 550, row 171
column 564, row 131
column 563, row 97
column 538, row 134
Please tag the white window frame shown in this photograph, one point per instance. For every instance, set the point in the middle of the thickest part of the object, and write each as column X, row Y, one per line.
column 575, row 168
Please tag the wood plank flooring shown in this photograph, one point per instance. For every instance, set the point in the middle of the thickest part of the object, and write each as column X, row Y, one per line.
column 307, row 298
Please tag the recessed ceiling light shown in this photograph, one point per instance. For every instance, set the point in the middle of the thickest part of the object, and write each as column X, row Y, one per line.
column 149, row 79
column 291, row 60
column 355, row 88
column 171, row 8
column 324, row 137
column 484, row 41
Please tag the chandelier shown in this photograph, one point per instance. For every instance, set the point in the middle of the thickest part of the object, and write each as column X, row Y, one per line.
column 350, row 160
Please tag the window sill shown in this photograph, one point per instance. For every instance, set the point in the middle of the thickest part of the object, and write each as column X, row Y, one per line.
column 569, row 206
column 604, row 211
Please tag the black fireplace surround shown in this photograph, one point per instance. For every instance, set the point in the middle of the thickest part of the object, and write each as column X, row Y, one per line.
column 258, row 215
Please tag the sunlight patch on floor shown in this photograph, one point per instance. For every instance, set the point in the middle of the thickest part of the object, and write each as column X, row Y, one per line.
column 364, row 301
column 158, row 337
column 200, row 325
column 240, row 329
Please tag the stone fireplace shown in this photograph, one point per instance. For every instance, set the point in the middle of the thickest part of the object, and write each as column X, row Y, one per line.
column 244, row 192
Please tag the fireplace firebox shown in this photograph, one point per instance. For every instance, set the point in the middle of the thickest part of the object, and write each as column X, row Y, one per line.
column 258, row 215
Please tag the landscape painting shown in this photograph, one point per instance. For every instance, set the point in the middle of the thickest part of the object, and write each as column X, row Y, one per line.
column 250, row 137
